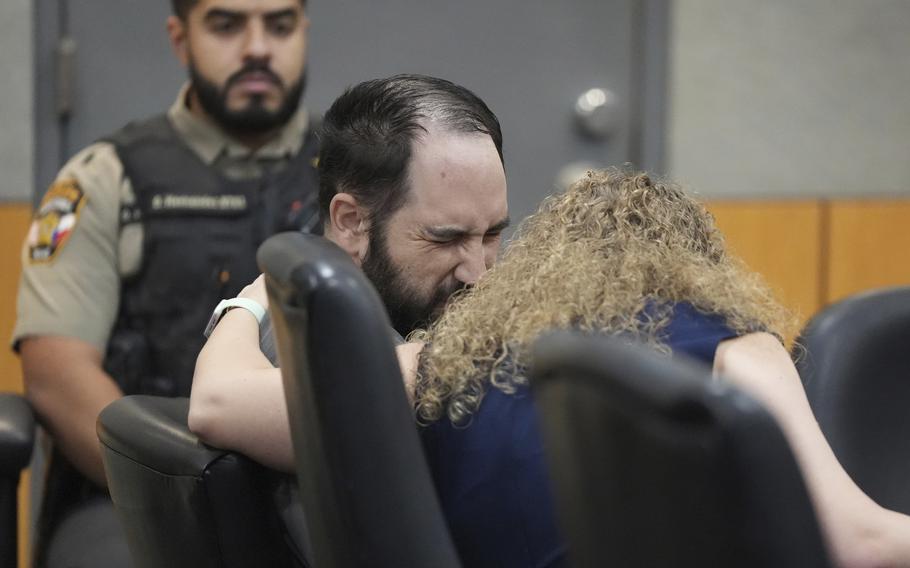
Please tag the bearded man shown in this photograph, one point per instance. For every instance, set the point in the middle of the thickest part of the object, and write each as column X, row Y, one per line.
column 144, row 231
column 411, row 186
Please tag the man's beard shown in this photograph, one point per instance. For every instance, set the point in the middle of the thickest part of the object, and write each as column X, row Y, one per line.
column 255, row 118
column 407, row 307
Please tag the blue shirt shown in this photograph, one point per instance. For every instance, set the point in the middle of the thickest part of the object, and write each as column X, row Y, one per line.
column 491, row 477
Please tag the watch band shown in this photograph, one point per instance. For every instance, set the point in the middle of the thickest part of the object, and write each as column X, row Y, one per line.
column 224, row 306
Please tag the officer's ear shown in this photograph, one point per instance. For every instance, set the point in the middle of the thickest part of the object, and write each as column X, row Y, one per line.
column 176, row 33
column 348, row 226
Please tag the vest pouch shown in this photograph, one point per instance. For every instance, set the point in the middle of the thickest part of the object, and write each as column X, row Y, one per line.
column 179, row 272
column 129, row 363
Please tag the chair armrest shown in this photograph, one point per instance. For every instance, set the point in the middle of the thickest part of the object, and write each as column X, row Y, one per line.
column 184, row 504
column 153, row 431
column 17, row 434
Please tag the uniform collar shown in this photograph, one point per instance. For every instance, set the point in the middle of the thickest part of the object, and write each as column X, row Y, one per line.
column 210, row 142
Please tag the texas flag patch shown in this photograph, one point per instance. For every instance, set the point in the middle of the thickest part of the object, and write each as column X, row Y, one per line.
column 55, row 220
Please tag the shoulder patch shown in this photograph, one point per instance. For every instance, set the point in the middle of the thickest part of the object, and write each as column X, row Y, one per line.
column 55, row 220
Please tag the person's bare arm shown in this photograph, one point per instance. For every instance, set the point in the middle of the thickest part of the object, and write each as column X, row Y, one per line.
column 237, row 402
column 66, row 385
column 859, row 532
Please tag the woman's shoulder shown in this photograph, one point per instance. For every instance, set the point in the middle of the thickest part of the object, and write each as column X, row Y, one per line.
column 695, row 332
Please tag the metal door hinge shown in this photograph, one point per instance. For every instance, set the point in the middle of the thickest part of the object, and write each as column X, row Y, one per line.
column 65, row 54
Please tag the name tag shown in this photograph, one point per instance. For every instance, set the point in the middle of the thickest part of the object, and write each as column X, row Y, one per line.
column 176, row 203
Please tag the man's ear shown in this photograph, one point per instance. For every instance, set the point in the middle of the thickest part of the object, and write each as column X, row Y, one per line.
column 176, row 33
column 348, row 226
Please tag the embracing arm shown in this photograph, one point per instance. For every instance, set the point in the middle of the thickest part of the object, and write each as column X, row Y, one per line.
column 237, row 402
column 859, row 532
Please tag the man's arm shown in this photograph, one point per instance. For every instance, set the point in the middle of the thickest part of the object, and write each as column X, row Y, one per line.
column 67, row 301
column 65, row 383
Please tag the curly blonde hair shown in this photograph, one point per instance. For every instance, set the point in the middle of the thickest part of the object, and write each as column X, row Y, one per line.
column 610, row 255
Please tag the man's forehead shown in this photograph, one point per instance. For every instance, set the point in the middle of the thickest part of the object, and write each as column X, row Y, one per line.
column 455, row 181
column 464, row 208
column 247, row 6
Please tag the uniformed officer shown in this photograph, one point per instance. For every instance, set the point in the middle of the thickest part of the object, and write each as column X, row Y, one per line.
column 144, row 231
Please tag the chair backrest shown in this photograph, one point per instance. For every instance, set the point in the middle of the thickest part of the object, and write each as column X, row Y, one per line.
column 365, row 485
column 855, row 366
column 655, row 464
column 17, row 436
column 181, row 503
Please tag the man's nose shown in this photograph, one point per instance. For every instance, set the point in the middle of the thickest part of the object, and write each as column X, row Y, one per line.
column 257, row 41
column 473, row 264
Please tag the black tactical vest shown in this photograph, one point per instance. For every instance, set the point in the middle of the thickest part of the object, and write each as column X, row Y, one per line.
column 201, row 232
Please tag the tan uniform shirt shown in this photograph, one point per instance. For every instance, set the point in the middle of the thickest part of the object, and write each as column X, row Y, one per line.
column 76, row 253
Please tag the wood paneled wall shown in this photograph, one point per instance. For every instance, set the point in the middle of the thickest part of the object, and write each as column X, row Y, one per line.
column 14, row 221
column 869, row 245
column 814, row 253
column 780, row 240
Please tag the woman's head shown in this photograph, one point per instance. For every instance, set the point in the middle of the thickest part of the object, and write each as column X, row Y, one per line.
column 593, row 258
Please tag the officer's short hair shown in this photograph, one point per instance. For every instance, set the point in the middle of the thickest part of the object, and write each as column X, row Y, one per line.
column 367, row 137
column 181, row 8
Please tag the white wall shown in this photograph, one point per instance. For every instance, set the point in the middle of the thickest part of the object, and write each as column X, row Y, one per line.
column 16, row 95
column 790, row 97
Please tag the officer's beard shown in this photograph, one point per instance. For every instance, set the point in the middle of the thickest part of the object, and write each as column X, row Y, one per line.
column 407, row 307
column 255, row 118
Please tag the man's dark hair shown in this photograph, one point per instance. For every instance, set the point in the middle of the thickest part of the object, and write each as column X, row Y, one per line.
column 181, row 8
column 368, row 133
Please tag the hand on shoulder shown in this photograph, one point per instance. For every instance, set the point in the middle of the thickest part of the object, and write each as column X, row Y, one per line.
column 408, row 354
column 756, row 356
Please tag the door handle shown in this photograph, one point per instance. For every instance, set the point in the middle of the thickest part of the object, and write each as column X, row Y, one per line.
column 596, row 113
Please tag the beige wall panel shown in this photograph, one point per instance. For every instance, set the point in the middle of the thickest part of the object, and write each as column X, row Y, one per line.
column 869, row 244
column 780, row 240
column 14, row 220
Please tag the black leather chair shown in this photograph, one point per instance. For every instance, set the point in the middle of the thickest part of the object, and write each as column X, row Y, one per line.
column 17, row 437
column 655, row 464
column 855, row 366
column 366, row 489
column 184, row 504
